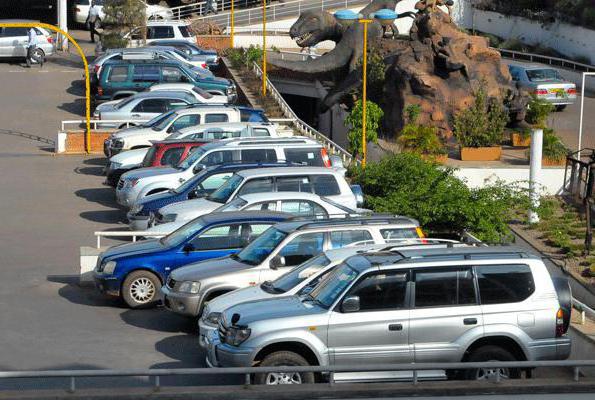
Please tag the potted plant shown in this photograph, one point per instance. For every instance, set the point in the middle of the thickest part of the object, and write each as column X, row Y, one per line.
column 520, row 138
column 537, row 113
column 554, row 151
column 421, row 139
column 480, row 128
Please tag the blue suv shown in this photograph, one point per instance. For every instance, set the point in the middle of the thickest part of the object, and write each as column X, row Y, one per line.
column 200, row 185
column 136, row 271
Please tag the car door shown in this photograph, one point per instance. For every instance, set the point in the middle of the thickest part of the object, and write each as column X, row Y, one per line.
column 144, row 76
column 445, row 308
column 14, row 42
column 379, row 332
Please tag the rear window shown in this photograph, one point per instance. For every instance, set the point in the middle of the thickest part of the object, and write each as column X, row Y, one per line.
column 213, row 118
column 546, row 74
column 312, row 157
column 259, row 155
column 160, row 32
column 184, row 30
column 325, row 185
column 399, row 233
column 504, row 283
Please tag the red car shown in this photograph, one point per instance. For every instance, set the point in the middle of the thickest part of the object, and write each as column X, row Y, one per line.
column 164, row 153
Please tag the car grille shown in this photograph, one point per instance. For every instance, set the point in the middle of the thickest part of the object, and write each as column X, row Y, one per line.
column 120, row 184
column 171, row 283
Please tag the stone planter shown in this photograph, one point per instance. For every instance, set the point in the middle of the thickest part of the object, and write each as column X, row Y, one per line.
column 519, row 140
column 548, row 162
column 481, row 153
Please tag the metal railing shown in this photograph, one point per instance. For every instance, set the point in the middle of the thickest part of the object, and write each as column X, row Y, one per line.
column 96, row 123
column 300, row 126
column 531, row 57
column 133, row 234
column 414, row 368
column 275, row 11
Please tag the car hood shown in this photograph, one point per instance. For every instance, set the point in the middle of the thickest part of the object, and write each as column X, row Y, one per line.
column 227, row 300
column 266, row 309
column 130, row 249
column 108, row 105
column 135, row 156
column 208, row 269
column 149, row 171
column 157, row 197
column 166, row 228
column 126, row 133
column 190, row 209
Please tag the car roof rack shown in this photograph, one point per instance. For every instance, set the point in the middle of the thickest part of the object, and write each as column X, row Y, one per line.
column 357, row 220
column 463, row 253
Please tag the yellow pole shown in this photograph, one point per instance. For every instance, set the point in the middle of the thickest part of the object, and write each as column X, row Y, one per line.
column 232, row 25
column 264, row 47
column 365, row 75
column 80, row 51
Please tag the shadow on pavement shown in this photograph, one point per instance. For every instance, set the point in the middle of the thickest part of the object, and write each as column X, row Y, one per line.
column 94, row 171
column 104, row 196
column 76, row 107
column 86, row 296
column 102, row 161
column 159, row 319
column 104, row 216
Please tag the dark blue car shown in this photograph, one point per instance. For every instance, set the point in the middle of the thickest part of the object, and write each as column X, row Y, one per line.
column 136, row 271
column 200, row 185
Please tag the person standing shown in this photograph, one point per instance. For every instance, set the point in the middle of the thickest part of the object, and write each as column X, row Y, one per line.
column 31, row 46
column 92, row 20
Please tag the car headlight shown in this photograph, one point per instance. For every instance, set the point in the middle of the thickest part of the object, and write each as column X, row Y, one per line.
column 189, row 287
column 109, row 267
column 137, row 208
column 235, row 336
column 117, row 143
column 213, row 318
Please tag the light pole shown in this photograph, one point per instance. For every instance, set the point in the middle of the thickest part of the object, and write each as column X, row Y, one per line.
column 264, row 47
column 232, row 25
column 364, row 72
column 580, row 125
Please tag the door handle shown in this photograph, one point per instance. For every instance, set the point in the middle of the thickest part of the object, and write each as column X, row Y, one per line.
column 470, row 321
column 395, row 327
column 135, row 115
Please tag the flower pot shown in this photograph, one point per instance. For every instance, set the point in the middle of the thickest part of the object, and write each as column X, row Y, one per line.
column 548, row 162
column 439, row 158
column 481, row 153
column 519, row 140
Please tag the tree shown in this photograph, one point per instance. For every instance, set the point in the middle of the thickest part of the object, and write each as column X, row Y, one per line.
column 121, row 17
column 373, row 116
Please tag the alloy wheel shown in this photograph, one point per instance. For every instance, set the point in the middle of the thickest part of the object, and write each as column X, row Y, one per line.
column 142, row 290
column 282, row 378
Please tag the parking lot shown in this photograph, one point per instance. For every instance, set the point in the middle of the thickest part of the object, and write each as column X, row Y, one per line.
column 50, row 206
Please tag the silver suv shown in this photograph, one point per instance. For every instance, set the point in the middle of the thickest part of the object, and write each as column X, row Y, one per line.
column 424, row 305
column 280, row 248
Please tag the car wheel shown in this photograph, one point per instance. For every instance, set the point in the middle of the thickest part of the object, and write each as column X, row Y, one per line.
column 491, row 353
column 38, row 55
column 284, row 358
column 560, row 108
column 140, row 289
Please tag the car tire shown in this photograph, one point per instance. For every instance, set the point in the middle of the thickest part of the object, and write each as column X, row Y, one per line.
column 560, row 108
column 141, row 289
column 491, row 353
column 284, row 358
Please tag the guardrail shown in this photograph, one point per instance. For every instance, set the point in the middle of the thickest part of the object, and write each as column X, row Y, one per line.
column 415, row 368
column 275, row 11
column 300, row 125
column 95, row 123
column 519, row 55
column 133, row 234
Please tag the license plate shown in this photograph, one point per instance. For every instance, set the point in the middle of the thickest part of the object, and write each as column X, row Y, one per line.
column 560, row 93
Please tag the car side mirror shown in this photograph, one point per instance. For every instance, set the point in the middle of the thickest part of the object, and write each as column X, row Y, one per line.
column 197, row 168
column 350, row 304
column 277, row 262
column 358, row 193
column 188, row 247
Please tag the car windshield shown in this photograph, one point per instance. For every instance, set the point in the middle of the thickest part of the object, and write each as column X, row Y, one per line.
column 234, row 205
column 192, row 158
column 164, row 123
column 331, row 287
column 148, row 160
column 202, row 93
column 190, row 183
column 261, row 247
column 222, row 194
column 183, row 233
column 181, row 54
column 300, row 273
column 542, row 75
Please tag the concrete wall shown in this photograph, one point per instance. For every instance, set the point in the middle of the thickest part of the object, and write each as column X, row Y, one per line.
column 551, row 180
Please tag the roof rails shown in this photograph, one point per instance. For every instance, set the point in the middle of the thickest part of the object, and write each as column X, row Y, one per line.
column 245, row 141
column 357, row 220
column 467, row 253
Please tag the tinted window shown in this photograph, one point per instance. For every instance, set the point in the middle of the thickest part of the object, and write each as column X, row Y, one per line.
column 344, row 238
column 504, row 283
column 184, row 122
column 302, row 248
column 294, row 184
column 381, row 291
column 215, row 181
column 146, row 73
column 325, row 185
column 435, row 288
column 297, row 275
column 217, row 157
column 172, row 156
column 311, row 157
column 399, row 233
column 210, row 118
column 160, row 32
column 184, row 31
column 157, row 106
column 171, row 74
column 174, row 104
column 220, row 237
column 302, row 208
column 10, row 32
column 118, row 74
column 259, row 155
column 259, row 185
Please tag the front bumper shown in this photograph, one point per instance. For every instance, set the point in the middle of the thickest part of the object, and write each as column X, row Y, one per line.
column 187, row 304
column 550, row 349
column 138, row 222
column 223, row 355
column 107, row 284
column 205, row 330
column 125, row 197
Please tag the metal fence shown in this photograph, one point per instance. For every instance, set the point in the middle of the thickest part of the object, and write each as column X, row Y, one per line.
column 134, row 234
column 531, row 57
column 247, row 372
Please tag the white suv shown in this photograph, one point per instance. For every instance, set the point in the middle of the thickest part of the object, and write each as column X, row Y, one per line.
column 161, row 30
column 81, row 11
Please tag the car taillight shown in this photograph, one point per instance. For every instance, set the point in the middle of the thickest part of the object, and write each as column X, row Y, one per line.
column 325, row 158
column 204, row 65
column 540, row 92
column 571, row 91
column 50, row 39
column 96, row 69
column 560, row 331
column 100, row 90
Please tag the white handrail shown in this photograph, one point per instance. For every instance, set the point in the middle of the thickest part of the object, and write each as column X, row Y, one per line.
column 550, row 60
column 133, row 234
column 97, row 122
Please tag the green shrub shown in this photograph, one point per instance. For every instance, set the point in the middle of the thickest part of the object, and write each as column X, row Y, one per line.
column 407, row 185
column 537, row 111
column 373, row 116
column 513, row 44
column 113, row 41
column 554, row 149
column 420, row 139
column 482, row 124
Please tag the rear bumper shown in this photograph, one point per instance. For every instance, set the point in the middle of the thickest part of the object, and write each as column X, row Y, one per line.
column 550, row 349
